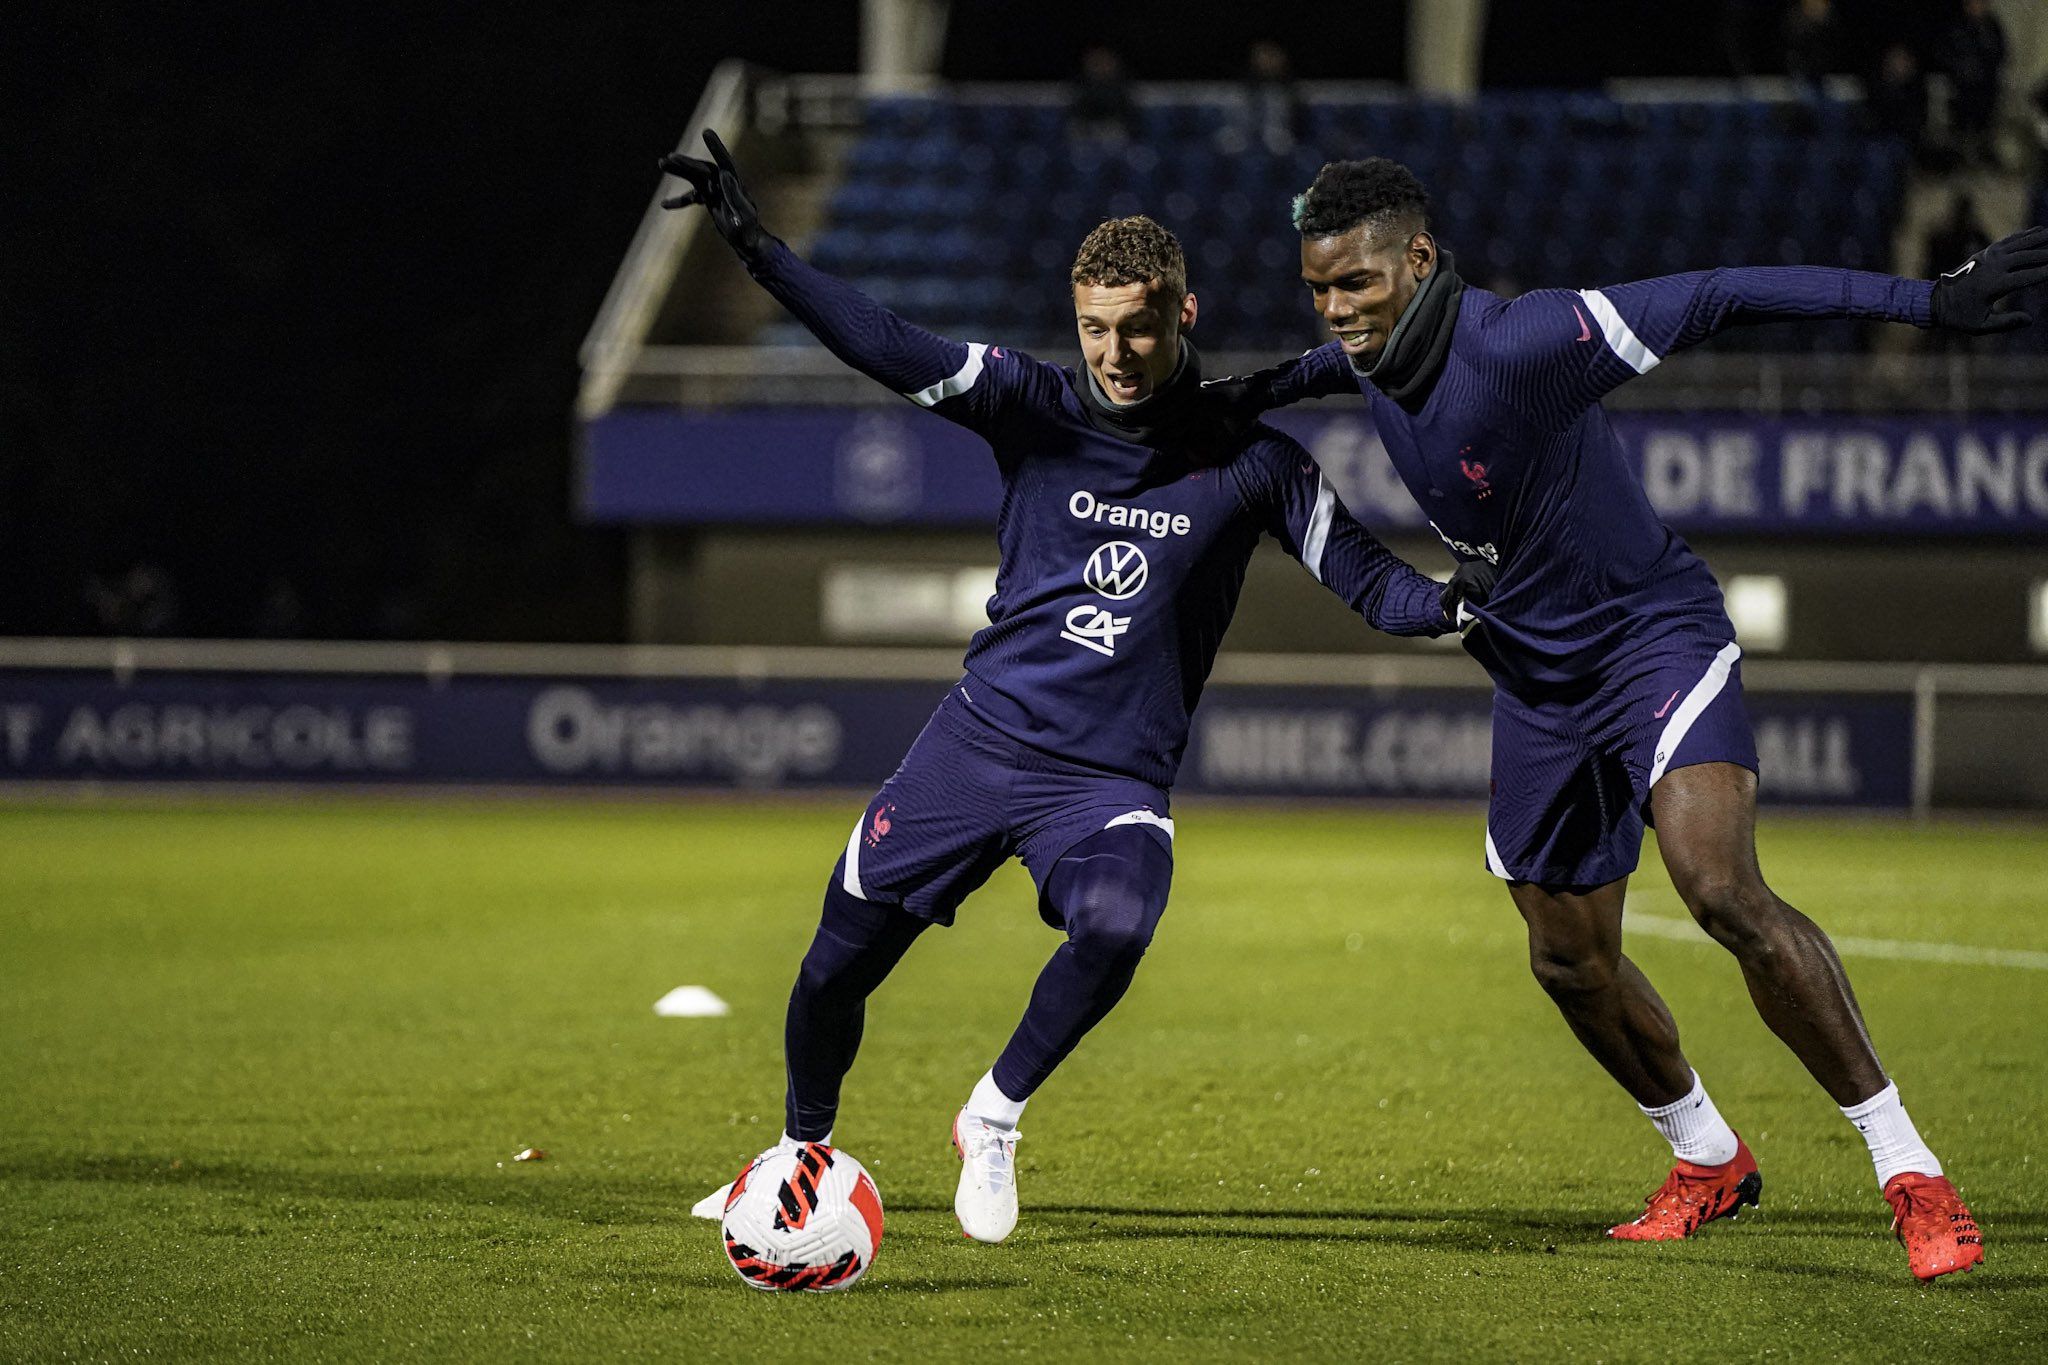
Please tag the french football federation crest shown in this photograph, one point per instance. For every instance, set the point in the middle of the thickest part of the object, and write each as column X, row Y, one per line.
column 1475, row 473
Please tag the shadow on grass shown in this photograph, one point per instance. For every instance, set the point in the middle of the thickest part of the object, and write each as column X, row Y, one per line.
column 1816, row 1221
column 720, row 1281
column 1510, row 1232
column 584, row 1200
column 587, row 1199
column 1982, row 1280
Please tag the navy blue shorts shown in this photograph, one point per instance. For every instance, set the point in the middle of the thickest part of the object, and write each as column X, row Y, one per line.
column 1572, row 776
column 965, row 798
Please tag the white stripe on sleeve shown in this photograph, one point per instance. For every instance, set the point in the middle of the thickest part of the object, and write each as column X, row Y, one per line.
column 1620, row 339
column 1318, row 528
column 850, row 879
column 959, row 382
column 1696, row 701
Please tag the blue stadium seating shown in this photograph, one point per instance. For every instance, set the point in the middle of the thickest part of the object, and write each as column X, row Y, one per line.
column 965, row 214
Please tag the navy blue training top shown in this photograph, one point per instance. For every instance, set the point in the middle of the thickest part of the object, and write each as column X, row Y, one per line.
column 1512, row 459
column 1119, row 564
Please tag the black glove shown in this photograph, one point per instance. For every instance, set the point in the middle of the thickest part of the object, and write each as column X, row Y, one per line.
column 1472, row 581
column 1229, row 403
column 716, row 185
column 1240, row 399
column 1965, row 299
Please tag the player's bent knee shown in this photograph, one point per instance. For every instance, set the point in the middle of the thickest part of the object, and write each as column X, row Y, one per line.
column 1740, row 914
column 820, row 976
column 1116, row 941
column 1111, row 895
column 1566, row 974
column 1111, row 922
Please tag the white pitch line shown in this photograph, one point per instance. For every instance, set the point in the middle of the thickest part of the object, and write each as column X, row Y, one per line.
column 1899, row 950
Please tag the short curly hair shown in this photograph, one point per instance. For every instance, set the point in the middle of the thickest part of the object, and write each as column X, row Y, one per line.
column 1376, row 192
column 1132, row 251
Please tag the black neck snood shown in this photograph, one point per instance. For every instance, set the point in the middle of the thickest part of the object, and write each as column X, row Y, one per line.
column 1152, row 420
column 1414, row 355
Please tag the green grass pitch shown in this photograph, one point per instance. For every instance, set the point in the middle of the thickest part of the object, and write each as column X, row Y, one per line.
column 265, row 1068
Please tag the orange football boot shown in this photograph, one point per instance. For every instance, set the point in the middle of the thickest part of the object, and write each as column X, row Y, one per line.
column 1931, row 1219
column 1693, row 1196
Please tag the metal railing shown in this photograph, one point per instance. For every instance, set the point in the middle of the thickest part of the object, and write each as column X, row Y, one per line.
column 1763, row 385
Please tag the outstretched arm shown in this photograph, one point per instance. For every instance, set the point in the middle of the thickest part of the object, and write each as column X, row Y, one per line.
column 923, row 367
column 920, row 365
column 1322, row 373
column 1566, row 348
column 1298, row 506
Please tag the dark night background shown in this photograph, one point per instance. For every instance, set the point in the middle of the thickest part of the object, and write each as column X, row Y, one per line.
column 292, row 299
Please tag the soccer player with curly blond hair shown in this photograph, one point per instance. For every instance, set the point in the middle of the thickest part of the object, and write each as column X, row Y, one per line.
column 1130, row 509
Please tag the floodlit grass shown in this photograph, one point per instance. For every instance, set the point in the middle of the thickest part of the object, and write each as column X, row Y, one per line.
column 265, row 1069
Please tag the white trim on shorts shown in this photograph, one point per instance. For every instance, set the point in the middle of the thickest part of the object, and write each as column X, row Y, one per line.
column 1494, row 864
column 850, row 878
column 1144, row 817
column 1696, row 702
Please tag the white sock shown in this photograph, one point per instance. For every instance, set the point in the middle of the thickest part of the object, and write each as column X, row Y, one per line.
column 989, row 1104
column 1895, row 1144
column 1695, row 1128
column 793, row 1143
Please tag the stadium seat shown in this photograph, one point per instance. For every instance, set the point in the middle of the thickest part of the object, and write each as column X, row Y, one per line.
column 970, row 210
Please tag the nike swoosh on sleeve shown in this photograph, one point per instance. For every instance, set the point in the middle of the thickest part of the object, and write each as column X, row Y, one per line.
column 1585, row 332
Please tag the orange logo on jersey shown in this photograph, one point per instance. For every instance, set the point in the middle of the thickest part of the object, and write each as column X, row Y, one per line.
column 878, row 826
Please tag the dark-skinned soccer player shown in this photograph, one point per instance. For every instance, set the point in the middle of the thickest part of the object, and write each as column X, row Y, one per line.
column 1618, row 686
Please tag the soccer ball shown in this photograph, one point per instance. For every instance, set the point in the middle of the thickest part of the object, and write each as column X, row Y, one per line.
column 806, row 1217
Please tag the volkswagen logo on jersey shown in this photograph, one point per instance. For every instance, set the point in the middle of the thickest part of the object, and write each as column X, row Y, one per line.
column 1116, row 570
column 1093, row 628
